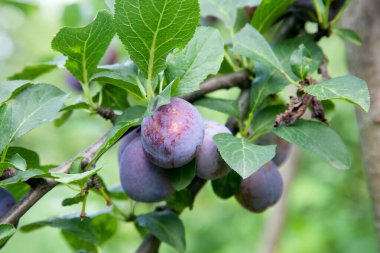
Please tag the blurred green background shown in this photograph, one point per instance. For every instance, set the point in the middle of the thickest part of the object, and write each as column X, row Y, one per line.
column 327, row 210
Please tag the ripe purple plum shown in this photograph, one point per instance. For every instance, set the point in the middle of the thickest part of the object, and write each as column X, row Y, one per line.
column 7, row 201
column 73, row 82
column 127, row 139
column 141, row 180
column 171, row 136
column 262, row 189
column 210, row 164
column 283, row 148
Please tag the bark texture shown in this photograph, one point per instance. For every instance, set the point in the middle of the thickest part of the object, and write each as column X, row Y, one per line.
column 363, row 16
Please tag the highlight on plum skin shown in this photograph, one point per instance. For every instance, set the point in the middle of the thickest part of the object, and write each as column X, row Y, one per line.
column 262, row 189
column 171, row 136
column 141, row 180
column 209, row 163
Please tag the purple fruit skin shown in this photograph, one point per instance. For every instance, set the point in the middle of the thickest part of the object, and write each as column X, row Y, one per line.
column 171, row 136
column 73, row 82
column 283, row 148
column 210, row 164
column 7, row 201
column 141, row 180
column 262, row 189
column 126, row 140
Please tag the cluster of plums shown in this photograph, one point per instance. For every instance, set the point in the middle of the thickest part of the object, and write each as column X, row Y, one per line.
column 171, row 138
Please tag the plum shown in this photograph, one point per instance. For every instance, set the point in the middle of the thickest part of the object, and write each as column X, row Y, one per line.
column 127, row 139
column 171, row 136
column 262, row 189
column 210, row 164
column 73, row 82
column 283, row 148
column 141, row 180
column 7, row 201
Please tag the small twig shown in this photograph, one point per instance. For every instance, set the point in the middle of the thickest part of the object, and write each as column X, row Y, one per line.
column 238, row 79
column 45, row 185
column 107, row 113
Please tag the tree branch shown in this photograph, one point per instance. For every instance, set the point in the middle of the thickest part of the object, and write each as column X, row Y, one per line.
column 42, row 186
column 45, row 185
column 238, row 79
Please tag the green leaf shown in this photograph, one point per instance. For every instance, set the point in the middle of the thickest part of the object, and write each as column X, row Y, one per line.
column 224, row 10
column 285, row 48
column 121, row 75
column 32, row 159
column 162, row 99
column 226, row 186
column 71, row 223
column 18, row 190
column 74, row 200
column 104, row 227
column 120, row 128
column 10, row 89
column 229, row 107
column 85, row 46
column 300, row 62
column 179, row 200
column 113, row 97
column 268, row 12
column 6, row 232
column 150, row 30
column 241, row 155
column 202, row 57
column 181, row 177
column 133, row 112
column 317, row 138
column 34, row 71
column 349, row 88
column 243, row 3
column 79, row 178
column 250, row 43
column 166, row 226
column 23, row 176
column 32, row 107
column 264, row 120
column 349, row 36
column 18, row 162
column 265, row 83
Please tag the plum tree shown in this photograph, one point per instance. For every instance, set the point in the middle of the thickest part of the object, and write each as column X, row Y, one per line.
column 262, row 189
column 140, row 179
column 171, row 136
column 209, row 163
column 7, row 201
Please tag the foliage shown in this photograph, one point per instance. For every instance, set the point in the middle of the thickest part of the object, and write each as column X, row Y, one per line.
column 170, row 55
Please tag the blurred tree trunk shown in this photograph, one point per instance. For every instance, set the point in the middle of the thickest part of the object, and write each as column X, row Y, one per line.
column 363, row 16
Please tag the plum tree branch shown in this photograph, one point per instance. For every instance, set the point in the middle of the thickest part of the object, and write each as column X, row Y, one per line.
column 39, row 187
column 43, row 186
